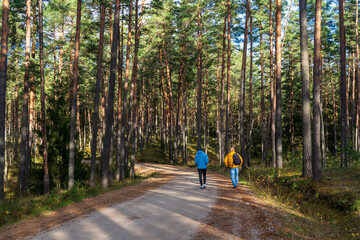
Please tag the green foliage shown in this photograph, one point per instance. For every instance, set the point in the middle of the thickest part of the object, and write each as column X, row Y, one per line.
column 352, row 155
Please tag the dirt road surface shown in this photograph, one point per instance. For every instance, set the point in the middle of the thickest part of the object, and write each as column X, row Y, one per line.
column 171, row 206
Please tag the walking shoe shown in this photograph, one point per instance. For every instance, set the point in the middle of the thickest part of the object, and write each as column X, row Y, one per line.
column 204, row 186
column 201, row 187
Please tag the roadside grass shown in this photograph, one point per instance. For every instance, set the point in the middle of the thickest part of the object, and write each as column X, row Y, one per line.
column 326, row 209
column 18, row 209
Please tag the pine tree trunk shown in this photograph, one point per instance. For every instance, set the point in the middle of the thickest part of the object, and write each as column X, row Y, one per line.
column 227, row 125
column 16, row 128
column 206, row 114
column 78, row 142
column 170, row 105
column 43, row 102
column 250, row 95
column 242, row 91
column 343, row 92
column 357, row 134
column 124, row 117
column 31, row 101
column 353, row 90
column 221, row 138
column 120, row 171
column 61, row 53
column 291, row 100
column 3, row 78
column 25, row 115
column 97, row 95
column 199, row 76
column 5, row 174
column 72, row 148
column 54, row 62
column 334, row 113
column 316, row 95
column 279, row 158
column 134, row 90
column 322, row 135
column 179, row 97
column 109, row 110
column 348, row 81
column 218, row 103
column 264, row 142
column 184, row 128
column 272, row 90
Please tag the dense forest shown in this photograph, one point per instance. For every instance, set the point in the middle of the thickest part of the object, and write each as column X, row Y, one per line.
column 103, row 80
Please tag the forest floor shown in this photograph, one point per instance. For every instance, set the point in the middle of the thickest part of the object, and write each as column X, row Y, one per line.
column 169, row 206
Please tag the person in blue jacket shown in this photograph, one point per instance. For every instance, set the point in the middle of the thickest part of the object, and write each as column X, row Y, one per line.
column 201, row 160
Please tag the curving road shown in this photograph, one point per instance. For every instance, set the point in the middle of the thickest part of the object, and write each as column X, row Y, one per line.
column 174, row 210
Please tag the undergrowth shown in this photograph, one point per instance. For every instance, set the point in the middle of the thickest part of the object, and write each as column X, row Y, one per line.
column 326, row 209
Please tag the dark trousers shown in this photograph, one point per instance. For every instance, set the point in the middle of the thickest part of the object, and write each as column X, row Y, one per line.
column 202, row 172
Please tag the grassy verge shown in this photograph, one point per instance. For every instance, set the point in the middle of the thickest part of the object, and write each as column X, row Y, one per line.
column 326, row 209
column 15, row 210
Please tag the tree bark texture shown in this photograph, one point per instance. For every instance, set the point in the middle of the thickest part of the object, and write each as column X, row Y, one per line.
column 316, row 151
column 279, row 158
column 357, row 134
column 242, row 87
column 343, row 92
column 124, row 117
column 199, row 77
column 97, row 95
column 3, row 78
column 221, row 138
column 109, row 110
column 264, row 142
column 72, row 147
column 227, row 125
column 305, row 90
column 43, row 102
column 120, row 171
column 272, row 89
column 25, row 115
column 250, row 95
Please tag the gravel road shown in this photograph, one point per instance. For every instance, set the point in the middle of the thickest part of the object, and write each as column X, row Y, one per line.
column 172, row 211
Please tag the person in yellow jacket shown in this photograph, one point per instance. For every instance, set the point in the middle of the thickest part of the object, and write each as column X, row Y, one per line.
column 234, row 169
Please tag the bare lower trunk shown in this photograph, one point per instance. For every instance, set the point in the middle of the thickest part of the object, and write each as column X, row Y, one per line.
column 199, row 76
column 3, row 78
column 343, row 92
column 305, row 89
column 221, row 143
column 43, row 102
column 264, row 145
column 316, row 151
column 74, row 97
column 279, row 157
column 227, row 124
column 272, row 90
column 109, row 111
column 25, row 124
column 124, row 117
column 334, row 113
column 242, row 88
column 250, row 97
column 357, row 136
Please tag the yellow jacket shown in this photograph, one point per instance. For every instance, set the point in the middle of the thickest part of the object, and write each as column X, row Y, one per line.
column 229, row 160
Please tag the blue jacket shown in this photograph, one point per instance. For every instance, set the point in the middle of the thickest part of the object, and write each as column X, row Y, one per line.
column 201, row 160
